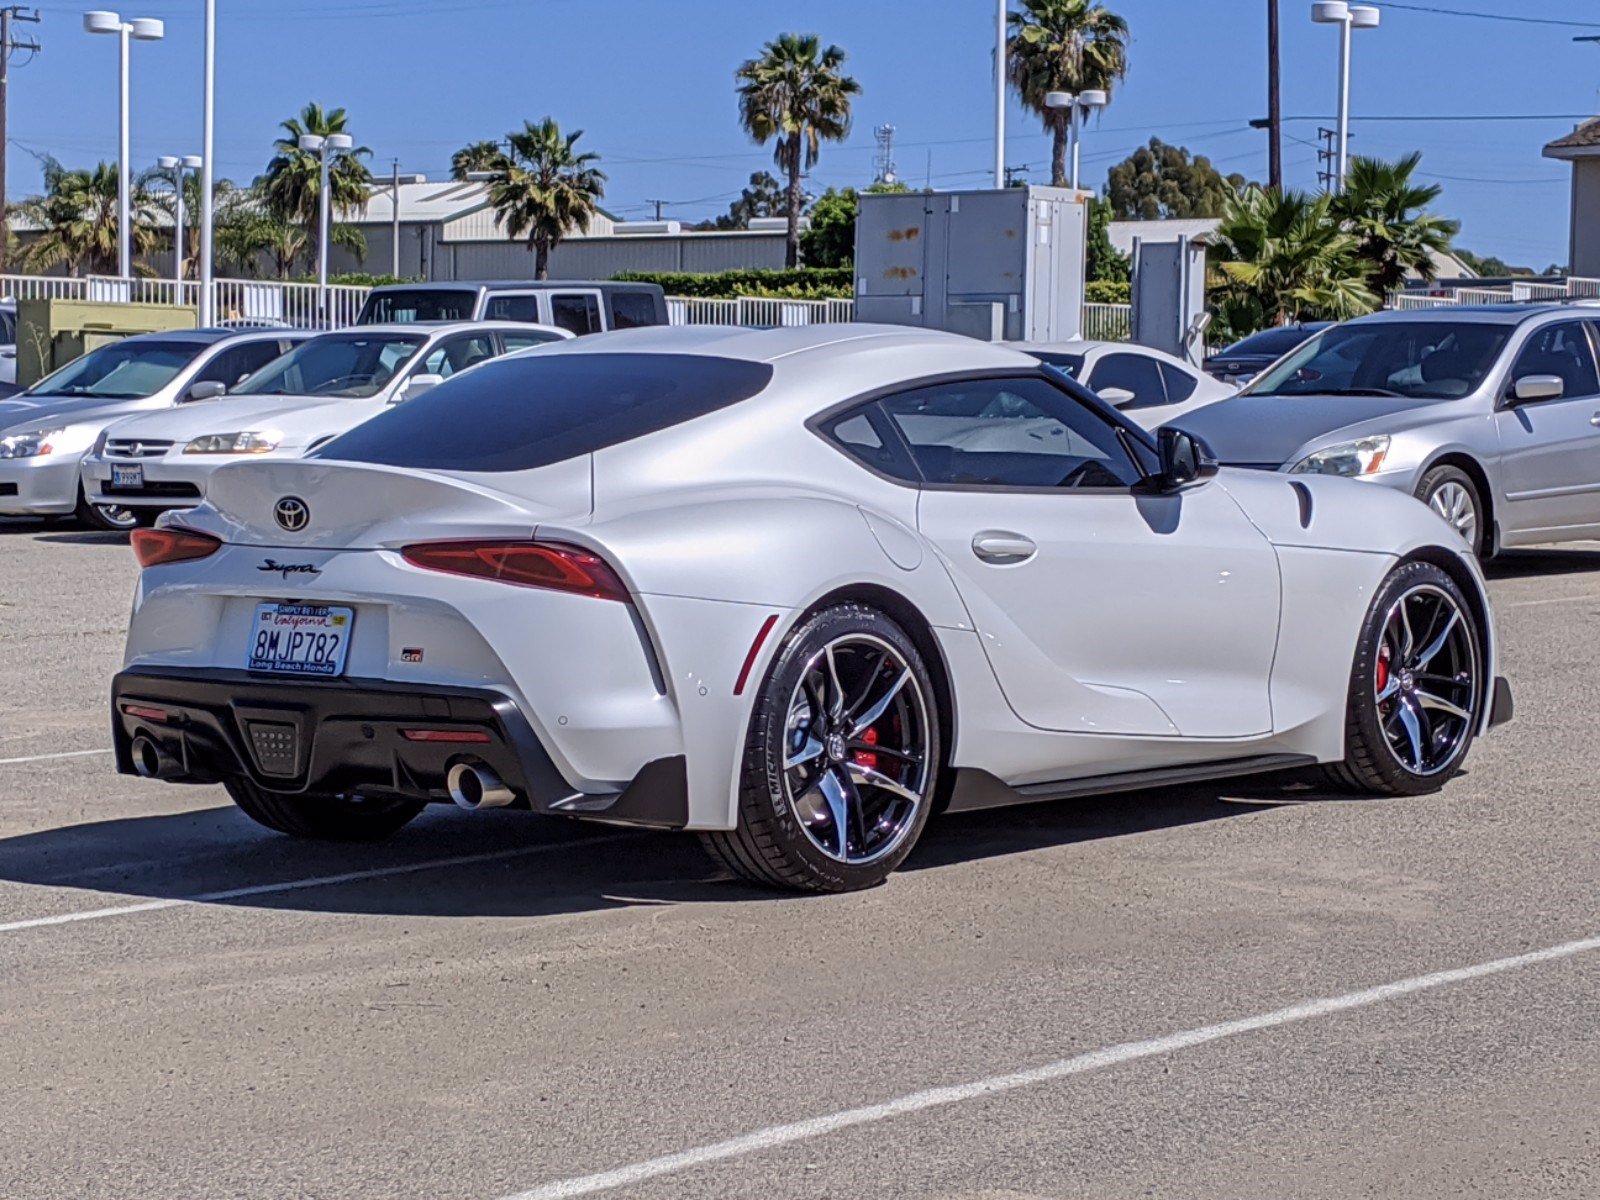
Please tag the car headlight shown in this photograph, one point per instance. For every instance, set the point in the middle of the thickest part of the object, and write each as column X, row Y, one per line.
column 252, row 441
column 31, row 444
column 1347, row 458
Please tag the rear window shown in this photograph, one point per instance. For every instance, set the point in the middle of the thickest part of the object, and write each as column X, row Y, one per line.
column 418, row 304
column 516, row 414
column 1275, row 342
column 1070, row 365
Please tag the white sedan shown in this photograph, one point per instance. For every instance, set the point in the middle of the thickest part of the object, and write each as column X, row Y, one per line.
column 1151, row 386
column 794, row 589
column 159, row 461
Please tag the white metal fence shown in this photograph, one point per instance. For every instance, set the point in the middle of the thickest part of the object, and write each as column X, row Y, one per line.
column 756, row 311
column 1108, row 322
column 261, row 300
column 1572, row 288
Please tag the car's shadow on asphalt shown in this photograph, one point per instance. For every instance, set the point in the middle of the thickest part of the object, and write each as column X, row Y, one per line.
column 510, row 864
column 1532, row 564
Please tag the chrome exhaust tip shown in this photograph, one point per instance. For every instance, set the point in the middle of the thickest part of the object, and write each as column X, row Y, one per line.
column 150, row 761
column 473, row 787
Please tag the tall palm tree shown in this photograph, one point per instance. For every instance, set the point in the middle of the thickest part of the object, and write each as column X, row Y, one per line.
column 1385, row 210
column 796, row 94
column 546, row 188
column 292, row 182
column 77, row 220
column 475, row 157
column 162, row 199
column 1063, row 46
column 1279, row 257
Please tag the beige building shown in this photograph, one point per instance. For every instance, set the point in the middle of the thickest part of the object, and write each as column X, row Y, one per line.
column 1581, row 148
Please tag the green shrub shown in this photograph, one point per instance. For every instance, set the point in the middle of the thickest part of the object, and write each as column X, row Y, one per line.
column 806, row 283
column 1107, row 291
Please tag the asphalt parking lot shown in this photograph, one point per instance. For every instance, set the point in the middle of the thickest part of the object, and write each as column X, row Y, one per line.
column 496, row 1005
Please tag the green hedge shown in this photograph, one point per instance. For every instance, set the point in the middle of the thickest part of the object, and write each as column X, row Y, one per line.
column 807, row 283
column 1107, row 291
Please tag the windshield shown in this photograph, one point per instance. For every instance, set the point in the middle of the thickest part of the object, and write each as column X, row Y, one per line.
column 121, row 371
column 1423, row 360
column 1269, row 342
column 353, row 365
column 418, row 304
column 1070, row 365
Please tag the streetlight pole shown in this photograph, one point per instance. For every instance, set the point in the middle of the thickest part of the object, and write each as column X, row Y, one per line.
column 1088, row 101
column 146, row 29
column 177, row 166
column 1000, row 94
column 324, row 148
column 207, row 155
column 1347, row 17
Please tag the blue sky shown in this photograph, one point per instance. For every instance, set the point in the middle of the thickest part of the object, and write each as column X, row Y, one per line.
column 650, row 81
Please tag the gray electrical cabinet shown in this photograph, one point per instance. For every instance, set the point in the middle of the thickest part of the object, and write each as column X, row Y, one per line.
column 1003, row 264
column 1169, row 297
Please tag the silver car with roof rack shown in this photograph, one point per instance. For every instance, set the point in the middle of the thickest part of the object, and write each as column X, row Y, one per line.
column 1489, row 414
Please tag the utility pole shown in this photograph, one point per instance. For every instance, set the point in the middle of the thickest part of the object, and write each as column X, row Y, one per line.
column 394, row 234
column 1274, row 107
column 9, row 16
column 659, row 205
column 1328, row 159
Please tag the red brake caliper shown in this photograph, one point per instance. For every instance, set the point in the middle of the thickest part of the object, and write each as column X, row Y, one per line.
column 866, row 758
column 1384, row 654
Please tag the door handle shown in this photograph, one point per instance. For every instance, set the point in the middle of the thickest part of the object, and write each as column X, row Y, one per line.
column 1595, row 420
column 1001, row 548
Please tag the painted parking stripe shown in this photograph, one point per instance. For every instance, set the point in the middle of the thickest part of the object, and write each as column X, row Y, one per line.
column 800, row 1131
column 28, row 758
column 297, row 885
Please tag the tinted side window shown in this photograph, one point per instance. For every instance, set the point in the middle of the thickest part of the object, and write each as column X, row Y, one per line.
column 1133, row 373
column 861, row 435
column 1009, row 433
column 1180, row 384
column 231, row 366
column 578, row 312
column 513, row 308
column 521, row 341
column 1562, row 350
column 633, row 310
column 457, row 354
column 515, row 414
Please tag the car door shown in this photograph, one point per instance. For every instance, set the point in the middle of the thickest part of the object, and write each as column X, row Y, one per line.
column 516, row 306
column 577, row 311
column 1550, row 449
column 1103, row 607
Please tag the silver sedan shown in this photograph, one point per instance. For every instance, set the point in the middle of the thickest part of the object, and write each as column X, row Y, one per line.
column 1490, row 415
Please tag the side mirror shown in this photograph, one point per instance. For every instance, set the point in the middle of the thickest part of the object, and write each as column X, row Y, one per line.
column 418, row 384
column 1532, row 388
column 208, row 389
column 1116, row 397
column 1185, row 459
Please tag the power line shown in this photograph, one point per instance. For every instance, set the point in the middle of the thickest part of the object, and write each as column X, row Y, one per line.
column 1491, row 16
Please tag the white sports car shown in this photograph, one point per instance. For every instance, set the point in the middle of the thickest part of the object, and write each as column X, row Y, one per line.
column 1150, row 386
column 795, row 589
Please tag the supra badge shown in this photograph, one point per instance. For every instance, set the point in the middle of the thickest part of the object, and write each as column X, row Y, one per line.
column 288, row 569
column 293, row 513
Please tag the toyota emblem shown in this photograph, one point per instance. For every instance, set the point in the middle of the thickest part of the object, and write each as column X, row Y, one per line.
column 292, row 513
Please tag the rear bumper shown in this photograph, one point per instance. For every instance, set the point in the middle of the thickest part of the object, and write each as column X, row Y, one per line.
column 345, row 735
column 1501, row 706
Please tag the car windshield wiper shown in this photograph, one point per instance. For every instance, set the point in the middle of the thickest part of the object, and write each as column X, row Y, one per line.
column 1360, row 391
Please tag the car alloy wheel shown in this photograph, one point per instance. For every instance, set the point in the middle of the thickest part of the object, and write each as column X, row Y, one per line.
column 1425, row 681
column 1459, row 507
column 856, row 771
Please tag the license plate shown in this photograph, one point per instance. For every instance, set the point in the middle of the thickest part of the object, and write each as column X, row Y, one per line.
column 300, row 639
column 131, row 476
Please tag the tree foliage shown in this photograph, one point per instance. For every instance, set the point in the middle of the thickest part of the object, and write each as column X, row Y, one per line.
column 477, row 157
column 77, row 221
column 1104, row 262
column 763, row 197
column 547, row 188
column 1063, row 46
column 291, row 187
column 805, row 283
column 797, row 96
column 1282, row 257
column 831, row 239
column 1159, row 182
column 1386, row 212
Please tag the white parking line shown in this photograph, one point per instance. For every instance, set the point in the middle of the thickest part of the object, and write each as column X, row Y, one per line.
column 296, row 885
column 799, row 1131
column 1550, row 600
column 28, row 758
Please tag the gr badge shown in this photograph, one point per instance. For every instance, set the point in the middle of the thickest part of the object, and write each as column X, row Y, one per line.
column 411, row 654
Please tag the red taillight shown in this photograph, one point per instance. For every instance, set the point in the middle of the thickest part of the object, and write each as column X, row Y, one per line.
column 145, row 713
column 153, row 547
column 477, row 736
column 531, row 564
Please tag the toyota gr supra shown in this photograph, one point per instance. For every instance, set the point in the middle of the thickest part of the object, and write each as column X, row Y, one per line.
column 794, row 589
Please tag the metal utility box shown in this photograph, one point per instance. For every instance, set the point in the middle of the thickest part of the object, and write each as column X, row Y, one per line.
column 1169, row 297
column 1004, row 264
column 51, row 333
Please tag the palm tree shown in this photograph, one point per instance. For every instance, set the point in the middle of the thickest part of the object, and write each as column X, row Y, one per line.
column 546, row 189
column 476, row 157
column 1281, row 257
column 77, row 219
column 292, row 183
column 1383, row 208
column 163, row 200
column 796, row 94
column 1063, row 46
